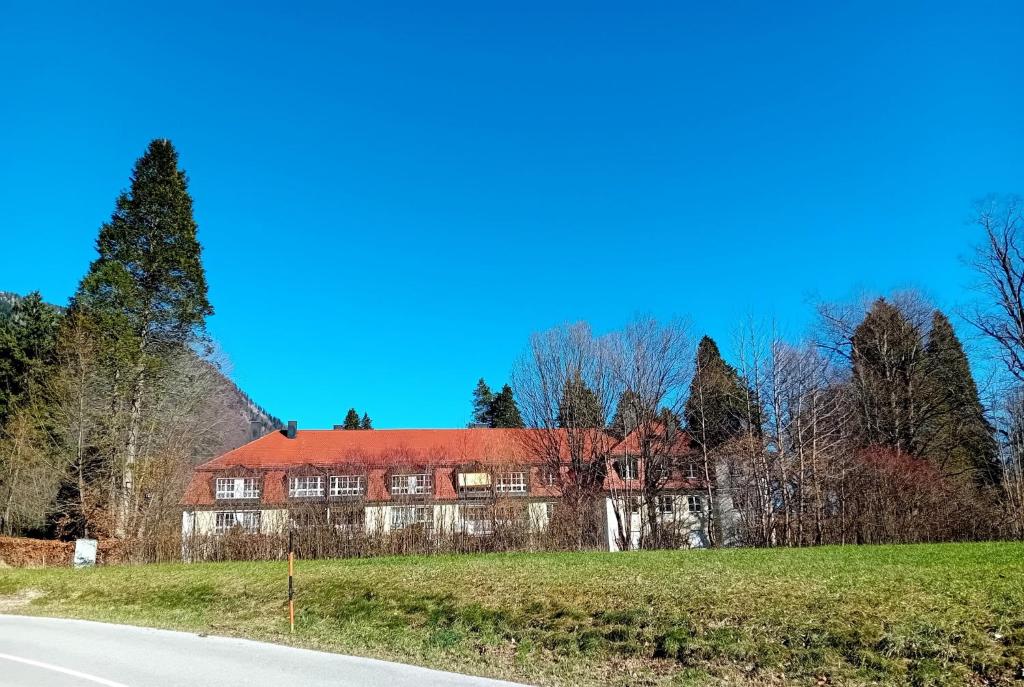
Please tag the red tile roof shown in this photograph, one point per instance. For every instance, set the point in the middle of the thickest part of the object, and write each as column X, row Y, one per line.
column 378, row 447
column 378, row 451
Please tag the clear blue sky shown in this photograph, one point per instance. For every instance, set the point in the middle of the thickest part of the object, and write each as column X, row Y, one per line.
column 392, row 199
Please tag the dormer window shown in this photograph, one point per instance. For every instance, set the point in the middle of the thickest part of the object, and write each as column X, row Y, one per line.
column 348, row 485
column 305, row 487
column 237, row 488
column 627, row 467
column 474, row 485
column 412, row 484
column 511, row 483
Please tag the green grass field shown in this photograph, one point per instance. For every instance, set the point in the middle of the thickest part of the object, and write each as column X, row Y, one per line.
column 948, row 614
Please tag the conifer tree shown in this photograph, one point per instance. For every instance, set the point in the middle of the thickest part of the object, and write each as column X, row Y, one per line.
column 27, row 342
column 715, row 409
column 504, row 412
column 625, row 418
column 366, row 423
column 351, row 419
column 957, row 436
column 147, row 289
column 579, row 407
column 483, row 397
column 889, row 374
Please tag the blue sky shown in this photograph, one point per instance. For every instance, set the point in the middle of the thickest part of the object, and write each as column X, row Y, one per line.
column 392, row 198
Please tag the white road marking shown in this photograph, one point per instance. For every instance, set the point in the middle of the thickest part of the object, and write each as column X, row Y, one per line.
column 66, row 671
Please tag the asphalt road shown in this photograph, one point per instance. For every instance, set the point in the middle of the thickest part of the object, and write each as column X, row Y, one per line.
column 50, row 652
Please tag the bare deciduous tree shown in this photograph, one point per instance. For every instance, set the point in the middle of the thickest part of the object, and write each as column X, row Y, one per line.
column 652, row 365
column 999, row 261
column 575, row 453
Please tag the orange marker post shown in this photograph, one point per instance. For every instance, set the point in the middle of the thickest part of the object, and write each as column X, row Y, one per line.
column 291, row 586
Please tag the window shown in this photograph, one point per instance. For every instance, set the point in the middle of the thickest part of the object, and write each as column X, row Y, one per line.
column 411, row 484
column 348, row 485
column 658, row 469
column 511, row 483
column 408, row 516
column 238, row 488
column 308, row 517
column 348, row 519
column 476, row 519
column 250, row 488
column 690, row 471
column 695, row 505
column 299, row 487
column 549, row 510
column 247, row 521
column 474, row 485
column 667, row 504
column 511, row 514
column 627, row 467
column 550, row 478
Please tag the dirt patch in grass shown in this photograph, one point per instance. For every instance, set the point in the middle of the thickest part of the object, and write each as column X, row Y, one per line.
column 12, row 603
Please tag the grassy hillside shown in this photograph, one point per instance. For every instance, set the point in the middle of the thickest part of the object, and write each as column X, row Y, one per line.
column 923, row 615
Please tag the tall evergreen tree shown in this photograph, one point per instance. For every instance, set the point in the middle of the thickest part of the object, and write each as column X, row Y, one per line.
column 625, row 418
column 483, row 397
column 715, row 410
column 147, row 289
column 351, row 419
column 889, row 378
column 504, row 412
column 579, row 407
column 957, row 436
column 366, row 422
column 670, row 421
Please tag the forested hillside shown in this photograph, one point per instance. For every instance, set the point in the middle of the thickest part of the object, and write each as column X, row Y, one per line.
column 240, row 417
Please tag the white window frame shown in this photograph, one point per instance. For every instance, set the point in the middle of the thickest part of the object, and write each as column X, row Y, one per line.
column 550, row 478
column 422, row 515
column 667, row 500
column 476, row 525
column 692, row 471
column 412, row 484
column 511, row 483
column 630, row 468
column 246, row 520
column 231, row 488
column 695, row 505
column 475, row 485
column 311, row 486
column 348, row 485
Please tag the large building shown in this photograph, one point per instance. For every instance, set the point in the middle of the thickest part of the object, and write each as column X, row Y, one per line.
column 377, row 482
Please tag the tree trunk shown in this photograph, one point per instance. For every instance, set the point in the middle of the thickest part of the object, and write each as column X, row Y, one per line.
column 131, row 452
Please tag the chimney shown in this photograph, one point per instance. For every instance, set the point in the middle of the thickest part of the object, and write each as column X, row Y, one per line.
column 293, row 427
column 255, row 430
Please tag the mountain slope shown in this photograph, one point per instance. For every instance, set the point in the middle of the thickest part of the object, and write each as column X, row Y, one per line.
column 240, row 418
